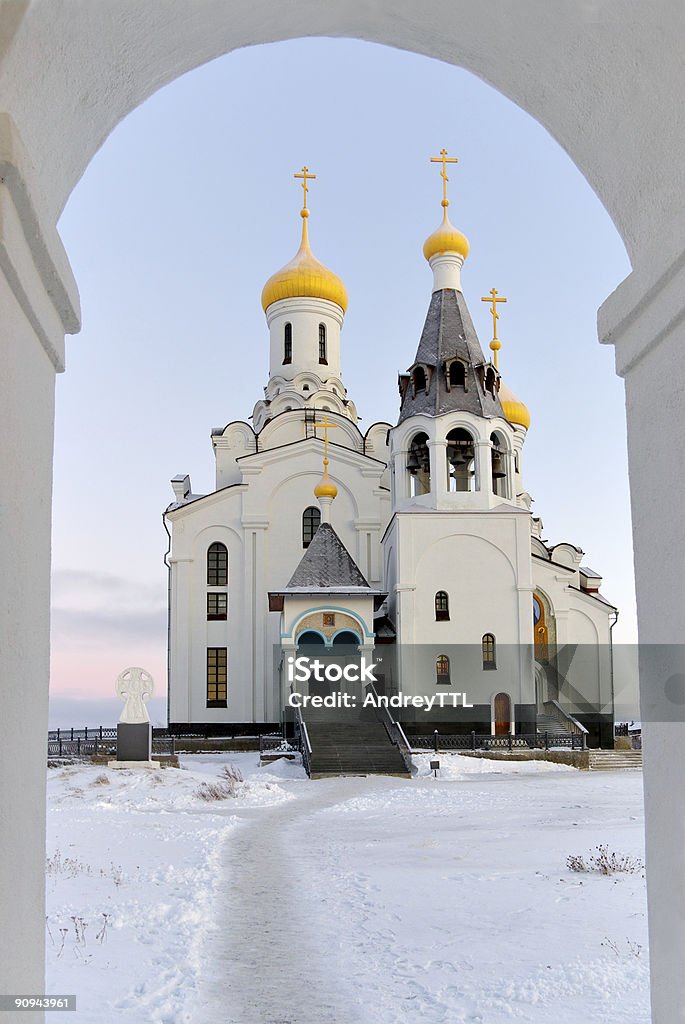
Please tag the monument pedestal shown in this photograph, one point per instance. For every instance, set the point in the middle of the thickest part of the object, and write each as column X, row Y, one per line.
column 134, row 741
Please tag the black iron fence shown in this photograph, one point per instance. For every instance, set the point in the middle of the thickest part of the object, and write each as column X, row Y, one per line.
column 275, row 743
column 475, row 741
column 88, row 742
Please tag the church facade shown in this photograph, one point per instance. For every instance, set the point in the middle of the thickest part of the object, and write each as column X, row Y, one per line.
column 417, row 548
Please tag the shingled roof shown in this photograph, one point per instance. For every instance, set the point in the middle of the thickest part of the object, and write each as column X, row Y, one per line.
column 327, row 565
column 448, row 333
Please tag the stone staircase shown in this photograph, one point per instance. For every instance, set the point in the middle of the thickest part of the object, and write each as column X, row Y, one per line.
column 608, row 760
column 551, row 726
column 351, row 741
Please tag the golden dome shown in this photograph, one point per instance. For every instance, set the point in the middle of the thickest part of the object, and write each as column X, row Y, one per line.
column 514, row 410
column 446, row 239
column 304, row 276
column 325, row 489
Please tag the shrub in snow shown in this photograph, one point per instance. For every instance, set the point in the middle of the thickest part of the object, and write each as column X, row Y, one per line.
column 604, row 862
column 226, row 786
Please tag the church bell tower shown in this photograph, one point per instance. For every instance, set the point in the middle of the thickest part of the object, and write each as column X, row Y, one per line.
column 458, row 547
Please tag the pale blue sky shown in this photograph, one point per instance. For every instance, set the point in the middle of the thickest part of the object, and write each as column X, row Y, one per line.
column 191, row 205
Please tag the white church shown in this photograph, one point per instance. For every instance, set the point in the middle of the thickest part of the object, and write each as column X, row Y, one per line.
column 414, row 544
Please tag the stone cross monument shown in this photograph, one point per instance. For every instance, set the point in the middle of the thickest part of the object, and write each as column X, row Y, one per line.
column 135, row 686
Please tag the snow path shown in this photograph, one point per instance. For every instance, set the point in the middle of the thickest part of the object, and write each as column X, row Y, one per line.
column 346, row 901
column 272, row 968
column 386, row 901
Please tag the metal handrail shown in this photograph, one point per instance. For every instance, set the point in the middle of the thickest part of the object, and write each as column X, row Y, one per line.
column 566, row 716
column 394, row 730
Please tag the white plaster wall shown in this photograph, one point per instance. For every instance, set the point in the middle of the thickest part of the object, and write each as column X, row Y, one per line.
column 260, row 521
column 305, row 315
column 27, row 413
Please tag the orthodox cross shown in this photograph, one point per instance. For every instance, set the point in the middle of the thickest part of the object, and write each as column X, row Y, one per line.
column 326, row 426
column 306, row 176
column 494, row 298
column 444, row 159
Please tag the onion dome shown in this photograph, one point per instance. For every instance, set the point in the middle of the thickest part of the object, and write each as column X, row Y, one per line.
column 446, row 239
column 325, row 488
column 304, row 276
column 514, row 410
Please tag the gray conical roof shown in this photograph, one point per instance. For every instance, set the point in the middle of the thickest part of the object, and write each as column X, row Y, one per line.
column 448, row 333
column 327, row 565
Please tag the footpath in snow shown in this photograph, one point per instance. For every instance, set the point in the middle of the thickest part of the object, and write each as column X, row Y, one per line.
column 345, row 901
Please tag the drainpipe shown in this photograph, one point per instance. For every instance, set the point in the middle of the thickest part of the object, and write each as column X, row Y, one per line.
column 611, row 674
column 168, row 619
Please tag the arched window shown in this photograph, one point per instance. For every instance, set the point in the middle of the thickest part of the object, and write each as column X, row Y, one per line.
column 498, row 465
column 461, row 460
column 490, row 381
column 540, row 628
column 346, row 638
column 419, row 379
column 457, row 374
column 489, row 652
column 442, row 670
column 287, row 344
column 217, row 565
column 442, row 606
column 311, row 520
column 323, row 355
column 419, row 465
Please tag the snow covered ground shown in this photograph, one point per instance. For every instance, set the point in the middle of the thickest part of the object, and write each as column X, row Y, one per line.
column 345, row 901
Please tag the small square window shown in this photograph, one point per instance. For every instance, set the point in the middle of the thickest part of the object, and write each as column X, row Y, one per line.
column 217, row 606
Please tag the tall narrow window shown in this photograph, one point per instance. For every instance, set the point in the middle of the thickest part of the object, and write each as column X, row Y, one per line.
column 489, row 652
column 419, row 465
column 323, row 355
column 217, row 605
column 498, row 465
column 442, row 606
column 442, row 670
column 419, row 380
column 287, row 344
column 457, row 374
column 461, row 460
column 311, row 520
column 217, row 565
column 217, row 677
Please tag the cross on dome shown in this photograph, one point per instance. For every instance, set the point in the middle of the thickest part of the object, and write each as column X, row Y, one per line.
column 325, row 488
column 446, row 239
column 493, row 298
column 444, row 159
column 306, row 176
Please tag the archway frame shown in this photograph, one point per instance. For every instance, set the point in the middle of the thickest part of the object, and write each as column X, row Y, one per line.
column 553, row 67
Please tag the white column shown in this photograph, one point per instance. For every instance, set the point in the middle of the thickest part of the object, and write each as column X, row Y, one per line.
column 37, row 305
column 647, row 327
column 438, row 461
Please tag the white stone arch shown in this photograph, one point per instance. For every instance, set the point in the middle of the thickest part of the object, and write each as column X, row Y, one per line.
column 478, row 427
column 100, row 68
column 342, row 486
column 291, row 630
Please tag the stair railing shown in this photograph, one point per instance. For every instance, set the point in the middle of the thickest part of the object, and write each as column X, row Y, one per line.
column 555, row 710
column 394, row 729
column 305, row 745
